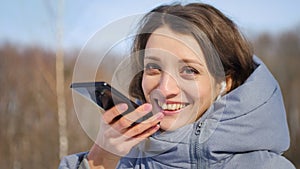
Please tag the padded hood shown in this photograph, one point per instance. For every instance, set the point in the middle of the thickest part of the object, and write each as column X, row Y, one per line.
column 251, row 118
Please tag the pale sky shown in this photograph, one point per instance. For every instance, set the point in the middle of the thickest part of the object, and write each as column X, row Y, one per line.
column 35, row 21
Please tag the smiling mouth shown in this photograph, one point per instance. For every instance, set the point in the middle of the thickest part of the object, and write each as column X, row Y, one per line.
column 171, row 106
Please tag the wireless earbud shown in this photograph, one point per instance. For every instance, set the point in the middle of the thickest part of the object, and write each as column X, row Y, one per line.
column 222, row 90
column 223, row 87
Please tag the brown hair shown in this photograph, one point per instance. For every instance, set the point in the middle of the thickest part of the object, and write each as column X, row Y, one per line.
column 210, row 28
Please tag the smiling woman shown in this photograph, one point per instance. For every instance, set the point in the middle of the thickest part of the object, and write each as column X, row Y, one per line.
column 211, row 100
column 175, row 65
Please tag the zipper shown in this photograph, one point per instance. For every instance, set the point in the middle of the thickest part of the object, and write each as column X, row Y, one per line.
column 200, row 163
column 198, row 128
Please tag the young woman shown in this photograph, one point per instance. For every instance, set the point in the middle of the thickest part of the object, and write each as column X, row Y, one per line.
column 214, row 104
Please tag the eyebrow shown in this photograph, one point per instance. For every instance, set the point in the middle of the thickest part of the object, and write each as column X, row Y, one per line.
column 185, row 60
column 152, row 58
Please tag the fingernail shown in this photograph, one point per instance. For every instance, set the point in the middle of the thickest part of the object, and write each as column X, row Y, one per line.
column 147, row 107
column 156, row 127
column 159, row 115
column 122, row 107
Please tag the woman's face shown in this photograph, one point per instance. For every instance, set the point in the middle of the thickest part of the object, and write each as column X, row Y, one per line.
column 176, row 80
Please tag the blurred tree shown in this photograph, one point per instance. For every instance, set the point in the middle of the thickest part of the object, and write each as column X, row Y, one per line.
column 28, row 103
column 60, row 87
column 282, row 55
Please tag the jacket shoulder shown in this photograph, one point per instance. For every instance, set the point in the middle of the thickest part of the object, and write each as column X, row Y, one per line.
column 278, row 162
column 259, row 160
column 72, row 161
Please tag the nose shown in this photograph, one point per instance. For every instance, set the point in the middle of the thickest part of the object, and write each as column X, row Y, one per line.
column 168, row 85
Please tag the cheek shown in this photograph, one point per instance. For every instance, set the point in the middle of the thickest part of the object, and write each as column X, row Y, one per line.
column 197, row 90
column 202, row 94
column 198, row 94
column 207, row 89
column 148, row 84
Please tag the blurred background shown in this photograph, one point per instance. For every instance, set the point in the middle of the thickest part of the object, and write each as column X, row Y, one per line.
column 40, row 41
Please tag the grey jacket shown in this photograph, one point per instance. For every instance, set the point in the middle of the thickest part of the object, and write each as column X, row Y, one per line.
column 245, row 129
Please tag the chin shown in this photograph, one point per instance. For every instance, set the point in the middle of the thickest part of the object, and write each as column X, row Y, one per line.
column 170, row 124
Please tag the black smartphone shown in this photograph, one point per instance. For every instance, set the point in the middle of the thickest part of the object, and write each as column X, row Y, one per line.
column 103, row 95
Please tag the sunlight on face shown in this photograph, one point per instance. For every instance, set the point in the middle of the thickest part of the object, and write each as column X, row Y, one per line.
column 174, row 67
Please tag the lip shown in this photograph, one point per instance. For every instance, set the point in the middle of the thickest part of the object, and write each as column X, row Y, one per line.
column 169, row 113
column 172, row 112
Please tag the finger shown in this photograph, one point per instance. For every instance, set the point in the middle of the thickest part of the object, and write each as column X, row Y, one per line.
column 140, row 112
column 130, row 142
column 146, row 133
column 122, row 145
column 114, row 112
column 135, row 130
column 140, row 128
column 126, row 121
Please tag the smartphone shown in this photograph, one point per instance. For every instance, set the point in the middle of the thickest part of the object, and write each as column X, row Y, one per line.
column 103, row 95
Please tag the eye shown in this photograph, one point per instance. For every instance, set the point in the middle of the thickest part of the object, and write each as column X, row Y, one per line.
column 152, row 69
column 189, row 71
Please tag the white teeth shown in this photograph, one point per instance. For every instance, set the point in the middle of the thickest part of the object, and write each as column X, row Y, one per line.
column 165, row 106
column 160, row 103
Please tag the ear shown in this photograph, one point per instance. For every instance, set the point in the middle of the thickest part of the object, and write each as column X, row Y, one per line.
column 228, row 83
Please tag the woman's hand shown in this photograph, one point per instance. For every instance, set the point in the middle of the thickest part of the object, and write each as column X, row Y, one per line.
column 117, row 134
